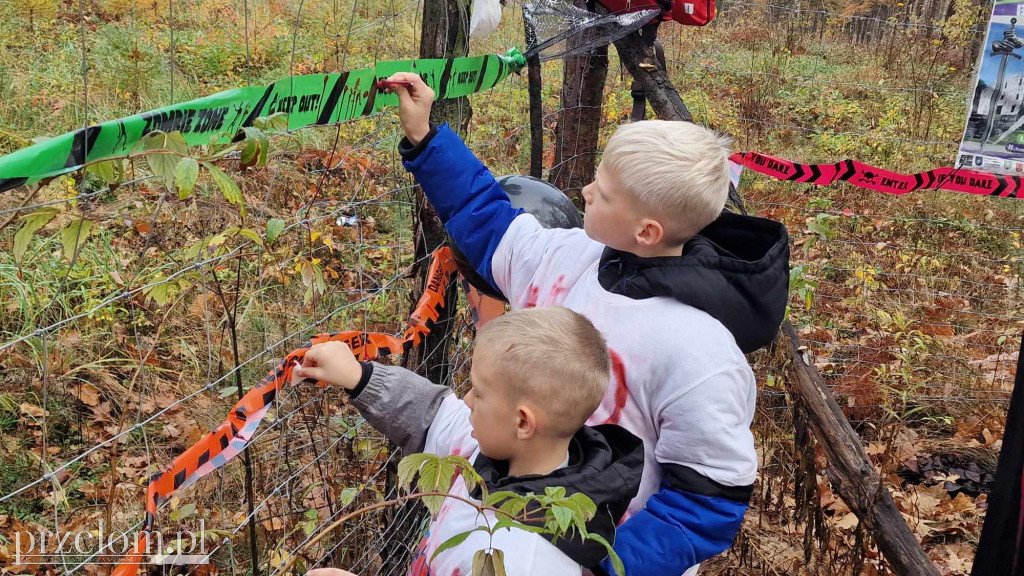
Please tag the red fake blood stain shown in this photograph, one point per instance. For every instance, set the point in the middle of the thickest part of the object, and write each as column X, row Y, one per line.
column 557, row 290
column 621, row 390
column 531, row 299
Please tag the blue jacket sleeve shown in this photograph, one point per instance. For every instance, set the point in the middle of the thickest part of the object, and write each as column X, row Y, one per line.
column 475, row 210
column 676, row 531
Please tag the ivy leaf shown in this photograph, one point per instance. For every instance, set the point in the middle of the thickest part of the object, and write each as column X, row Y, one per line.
column 469, row 474
column 73, row 237
column 33, row 222
column 257, row 144
column 228, row 187
column 193, row 251
column 427, row 482
column 274, row 228
column 176, row 142
column 185, row 176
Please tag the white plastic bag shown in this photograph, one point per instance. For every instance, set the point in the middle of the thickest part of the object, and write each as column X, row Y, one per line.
column 485, row 19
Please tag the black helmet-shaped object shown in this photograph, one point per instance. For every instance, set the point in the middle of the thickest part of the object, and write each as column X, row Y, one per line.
column 545, row 202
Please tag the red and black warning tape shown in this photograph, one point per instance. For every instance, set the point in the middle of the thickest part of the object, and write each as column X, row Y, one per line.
column 878, row 179
column 231, row 437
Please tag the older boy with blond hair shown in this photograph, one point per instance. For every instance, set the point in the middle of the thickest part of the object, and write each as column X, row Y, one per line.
column 679, row 288
column 509, row 427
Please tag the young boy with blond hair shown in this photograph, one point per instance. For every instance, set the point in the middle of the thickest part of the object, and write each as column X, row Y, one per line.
column 512, row 432
column 679, row 288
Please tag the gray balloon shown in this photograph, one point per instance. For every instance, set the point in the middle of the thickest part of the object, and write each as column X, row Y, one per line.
column 544, row 201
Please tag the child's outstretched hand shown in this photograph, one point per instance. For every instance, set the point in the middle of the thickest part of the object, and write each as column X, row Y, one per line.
column 330, row 362
column 413, row 105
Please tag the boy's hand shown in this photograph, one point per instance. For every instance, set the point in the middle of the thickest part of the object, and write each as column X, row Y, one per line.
column 330, row 362
column 413, row 105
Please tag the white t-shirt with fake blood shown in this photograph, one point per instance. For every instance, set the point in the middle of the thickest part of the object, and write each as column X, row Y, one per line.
column 679, row 380
column 526, row 553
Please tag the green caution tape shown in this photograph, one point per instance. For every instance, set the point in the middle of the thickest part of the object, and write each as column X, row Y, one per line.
column 309, row 100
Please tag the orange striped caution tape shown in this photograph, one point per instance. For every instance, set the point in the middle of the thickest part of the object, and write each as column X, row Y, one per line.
column 232, row 435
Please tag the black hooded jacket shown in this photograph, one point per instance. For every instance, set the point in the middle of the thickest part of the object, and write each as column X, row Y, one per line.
column 736, row 269
column 605, row 463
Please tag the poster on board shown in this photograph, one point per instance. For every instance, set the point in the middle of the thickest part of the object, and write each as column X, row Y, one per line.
column 994, row 136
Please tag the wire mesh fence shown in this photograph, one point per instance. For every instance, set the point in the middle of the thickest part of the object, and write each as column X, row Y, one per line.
column 119, row 351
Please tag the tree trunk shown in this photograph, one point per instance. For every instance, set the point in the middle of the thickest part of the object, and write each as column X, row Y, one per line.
column 536, row 117
column 579, row 120
column 639, row 60
column 850, row 471
column 442, row 36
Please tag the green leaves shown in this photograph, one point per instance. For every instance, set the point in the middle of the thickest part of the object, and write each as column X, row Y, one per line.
column 456, row 540
column 110, row 171
column 183, row 512
column 553, row 513
column 232, row 193
column 617, row 566
column 435, row 473
column 274, row 228
column 73, row 237
column 489, row 563
column 185, row 176
column 33, row 222
column 349, row 494
column 165, row 151
column 277, row 122
column 563, row 516
column 254, row 147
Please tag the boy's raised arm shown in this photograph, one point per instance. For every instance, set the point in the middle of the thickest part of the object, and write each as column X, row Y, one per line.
column 475, row 210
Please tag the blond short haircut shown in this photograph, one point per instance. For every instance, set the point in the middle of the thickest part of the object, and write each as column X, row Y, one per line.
column 677, row 171
column 551, row 357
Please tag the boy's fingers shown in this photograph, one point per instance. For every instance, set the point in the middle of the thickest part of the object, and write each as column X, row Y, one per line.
column 312, row 355
column 311, row 373
column 404, row 96
column 419, row 88
column 407, row 77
